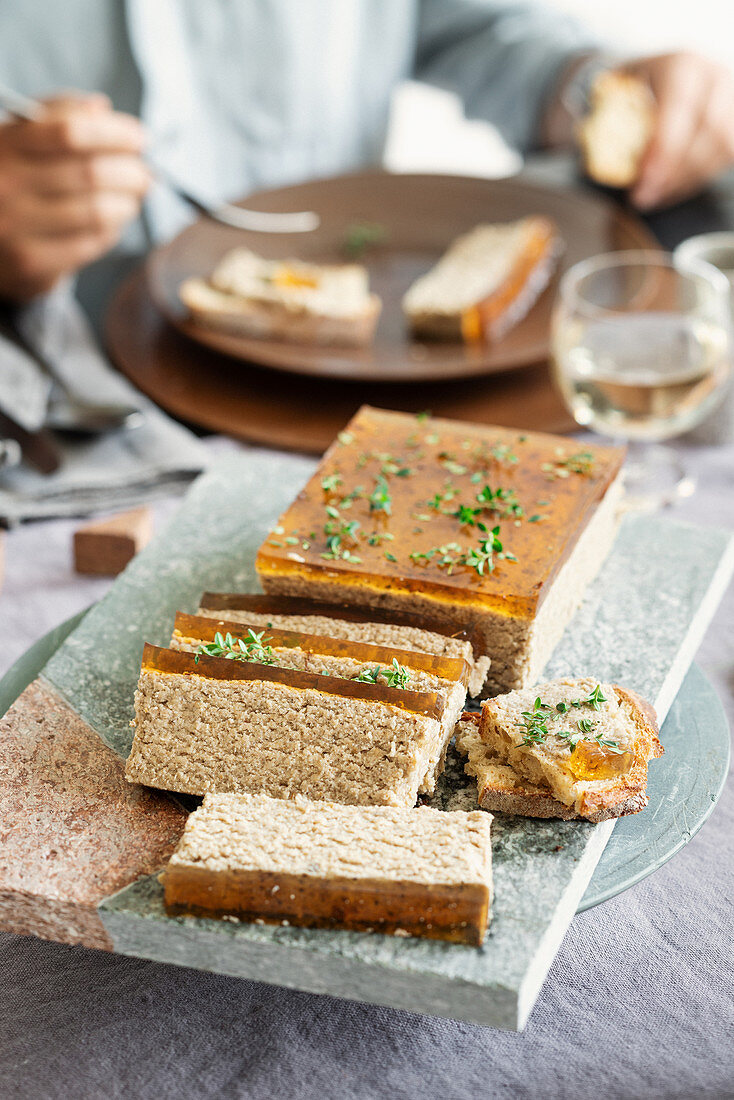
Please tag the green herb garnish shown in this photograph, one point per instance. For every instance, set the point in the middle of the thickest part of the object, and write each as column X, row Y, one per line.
column 481, row 557
column 380, row 498
column 395, row 675
column 250, row 648
column 331, row 482
column 502, row 501
column 361, row 236
column 580, row 463
column 535, row 723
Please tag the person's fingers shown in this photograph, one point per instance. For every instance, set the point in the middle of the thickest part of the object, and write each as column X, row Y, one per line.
column 76, row 131
column 718, row 117
column 34, row 265
column 62, row 215
column 75, row 174
column 701, row 161
column 680, row 94
column 73, row 100
column 708, row 150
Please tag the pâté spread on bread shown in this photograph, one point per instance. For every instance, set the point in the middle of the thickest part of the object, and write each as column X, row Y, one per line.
column 567, row 748
column 289, row 300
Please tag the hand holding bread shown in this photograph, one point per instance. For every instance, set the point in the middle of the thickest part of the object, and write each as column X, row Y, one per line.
column 660, row 126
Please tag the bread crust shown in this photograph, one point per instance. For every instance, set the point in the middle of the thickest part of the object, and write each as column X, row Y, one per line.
column 629, row 789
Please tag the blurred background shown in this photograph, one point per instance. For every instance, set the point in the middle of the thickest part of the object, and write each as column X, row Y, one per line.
column 430, row 134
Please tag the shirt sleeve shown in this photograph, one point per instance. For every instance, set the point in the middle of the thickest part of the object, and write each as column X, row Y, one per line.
column 502, row 58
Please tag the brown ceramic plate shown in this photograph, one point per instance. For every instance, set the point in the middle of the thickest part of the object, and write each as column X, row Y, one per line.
column 421, row 215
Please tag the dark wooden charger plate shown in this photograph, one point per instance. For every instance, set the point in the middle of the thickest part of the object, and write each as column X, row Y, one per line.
column 293, row 412
column 421, row 215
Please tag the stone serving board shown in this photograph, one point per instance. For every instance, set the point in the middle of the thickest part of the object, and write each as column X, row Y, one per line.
column 640, row 625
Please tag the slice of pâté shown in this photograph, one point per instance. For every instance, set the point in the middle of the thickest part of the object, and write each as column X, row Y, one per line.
column 398, row 629
column 343, row 659
column 489, row 530
column 213, row 724
column 419, row 872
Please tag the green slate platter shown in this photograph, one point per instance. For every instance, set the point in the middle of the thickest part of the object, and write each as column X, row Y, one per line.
column 640, row 624
column 695, row 730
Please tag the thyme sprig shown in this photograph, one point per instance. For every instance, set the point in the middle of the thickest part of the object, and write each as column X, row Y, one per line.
column 331, row 482
column 582, row 462
column 339, row 534
column 380, row 497
column 480, row 558
column 501, row 501
column 395, row 675
column 253, row 648
column 250, row 648
column 535, row 723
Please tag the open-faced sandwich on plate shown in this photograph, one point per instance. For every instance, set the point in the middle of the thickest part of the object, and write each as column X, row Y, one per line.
column 485, row 283
column 566, row 748
column 288, row 300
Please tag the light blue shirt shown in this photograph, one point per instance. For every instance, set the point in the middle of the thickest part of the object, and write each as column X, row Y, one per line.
column 243, row 94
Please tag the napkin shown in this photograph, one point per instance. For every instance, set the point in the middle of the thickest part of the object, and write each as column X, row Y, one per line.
column 123, row 467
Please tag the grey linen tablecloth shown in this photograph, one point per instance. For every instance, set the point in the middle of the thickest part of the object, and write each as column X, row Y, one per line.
column 637, row 1004
column 106, row 472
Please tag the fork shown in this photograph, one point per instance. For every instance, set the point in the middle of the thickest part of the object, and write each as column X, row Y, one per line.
column 238, row 217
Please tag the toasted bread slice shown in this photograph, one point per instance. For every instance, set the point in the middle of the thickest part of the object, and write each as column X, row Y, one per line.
column 615, row 134
column 587, row 743
column 485, row 283
column 285, row 300
column 501, row 789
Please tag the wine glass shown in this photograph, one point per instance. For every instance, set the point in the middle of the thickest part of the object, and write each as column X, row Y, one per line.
column 641, row 351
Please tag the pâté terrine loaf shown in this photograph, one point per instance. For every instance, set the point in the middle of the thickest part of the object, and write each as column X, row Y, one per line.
column 418, row 872
column 394, row 629
column 284, row 713
column 490, row 531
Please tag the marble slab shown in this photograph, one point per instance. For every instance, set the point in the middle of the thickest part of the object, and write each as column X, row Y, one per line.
column 640, row 625
column 72, row 829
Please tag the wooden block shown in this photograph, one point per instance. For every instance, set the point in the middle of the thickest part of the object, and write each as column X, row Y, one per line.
column 107, row 545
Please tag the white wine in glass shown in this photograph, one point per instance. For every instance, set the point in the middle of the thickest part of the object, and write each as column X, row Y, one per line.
column 641, row 345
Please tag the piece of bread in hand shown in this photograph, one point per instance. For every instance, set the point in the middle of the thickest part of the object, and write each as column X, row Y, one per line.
column 616, row 132
column 287, row 300
column 501, row 789
column 485, row 283
column 587, row 744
